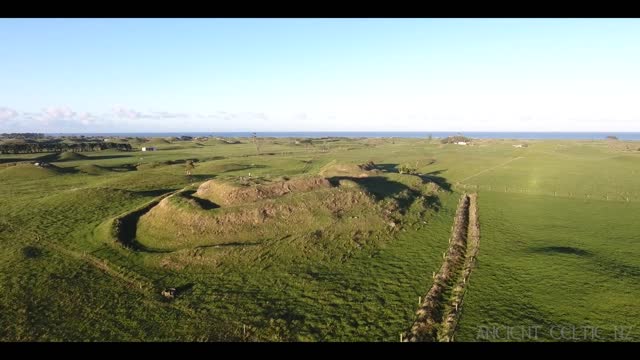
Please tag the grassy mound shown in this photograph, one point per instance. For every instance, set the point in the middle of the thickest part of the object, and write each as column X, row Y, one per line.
column 70, row 156
column 92, row 169
column 226, row 193
column 156, row 141
column 334, row 169
column 308, row 216
column 324, row 222
column 147, row 165
column 28, row 171
column 225, row 141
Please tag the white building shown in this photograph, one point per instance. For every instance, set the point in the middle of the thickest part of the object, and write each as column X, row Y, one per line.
column 461, row 143
column 149, row 148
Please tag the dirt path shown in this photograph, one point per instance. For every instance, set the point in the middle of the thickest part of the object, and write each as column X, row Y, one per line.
column 489, row 169
column 437, row 317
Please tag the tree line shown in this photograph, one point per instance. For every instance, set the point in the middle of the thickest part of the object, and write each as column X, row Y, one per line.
column 455, row 139
column 22, row 135
column 38, row 147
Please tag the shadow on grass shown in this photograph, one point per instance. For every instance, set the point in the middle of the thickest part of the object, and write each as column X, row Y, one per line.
column 200, row 177
column 203, row 203
column 392, row 168
column 550, row 250
column 184, row 289
column 434, row 177
column 126, row 227
column 611, row 267
column 16, row 160
column 120, row 168
column 154, row 193
column 433, row 202
column 212, row 158
column 245, row 167
column 55, row 157
column 63, row 170
column 107, row 157
column 620, row 270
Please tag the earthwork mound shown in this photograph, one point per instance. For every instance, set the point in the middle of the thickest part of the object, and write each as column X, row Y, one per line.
column 225, row 193
column 92, row 169
column 70, row 156
column 306, row 210
column 239, row 219
column 334, row 169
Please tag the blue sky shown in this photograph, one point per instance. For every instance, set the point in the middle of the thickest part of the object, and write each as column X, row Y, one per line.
column 96, row 75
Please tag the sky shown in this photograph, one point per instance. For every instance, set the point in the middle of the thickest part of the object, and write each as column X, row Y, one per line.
column 164, row 75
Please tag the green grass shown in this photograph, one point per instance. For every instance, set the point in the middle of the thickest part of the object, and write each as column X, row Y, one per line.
column 554, row 262
column 558, row 242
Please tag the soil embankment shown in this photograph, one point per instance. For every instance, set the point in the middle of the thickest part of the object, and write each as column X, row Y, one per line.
column 438, row 315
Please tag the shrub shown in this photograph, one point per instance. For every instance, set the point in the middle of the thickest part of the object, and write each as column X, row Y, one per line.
column 31, row 252
column 455, row 139
column 406, row 169
column 369, row 165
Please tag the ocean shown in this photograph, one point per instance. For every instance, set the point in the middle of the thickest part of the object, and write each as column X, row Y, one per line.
column 384, row 134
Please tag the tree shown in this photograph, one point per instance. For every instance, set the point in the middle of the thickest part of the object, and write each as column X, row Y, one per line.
column 430, row 138
column 611, row 137
column 58, row 146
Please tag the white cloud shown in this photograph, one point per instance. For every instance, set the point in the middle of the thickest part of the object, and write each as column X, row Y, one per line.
column 58, row 113
column 167, row 115
column 51, row 119
column 128, row 113
column 87, row 119
column 7, row 114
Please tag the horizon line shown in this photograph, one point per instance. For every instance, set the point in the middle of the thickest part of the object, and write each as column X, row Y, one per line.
column 329, row 131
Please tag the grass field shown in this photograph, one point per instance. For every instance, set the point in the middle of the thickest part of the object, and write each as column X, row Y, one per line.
column 558, row 240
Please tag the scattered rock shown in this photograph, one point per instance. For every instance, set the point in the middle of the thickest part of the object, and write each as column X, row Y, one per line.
column 169, row 293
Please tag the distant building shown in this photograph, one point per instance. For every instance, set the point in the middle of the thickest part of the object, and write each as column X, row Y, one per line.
column 520, row 145
column 461, row 143
column 149, row 148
